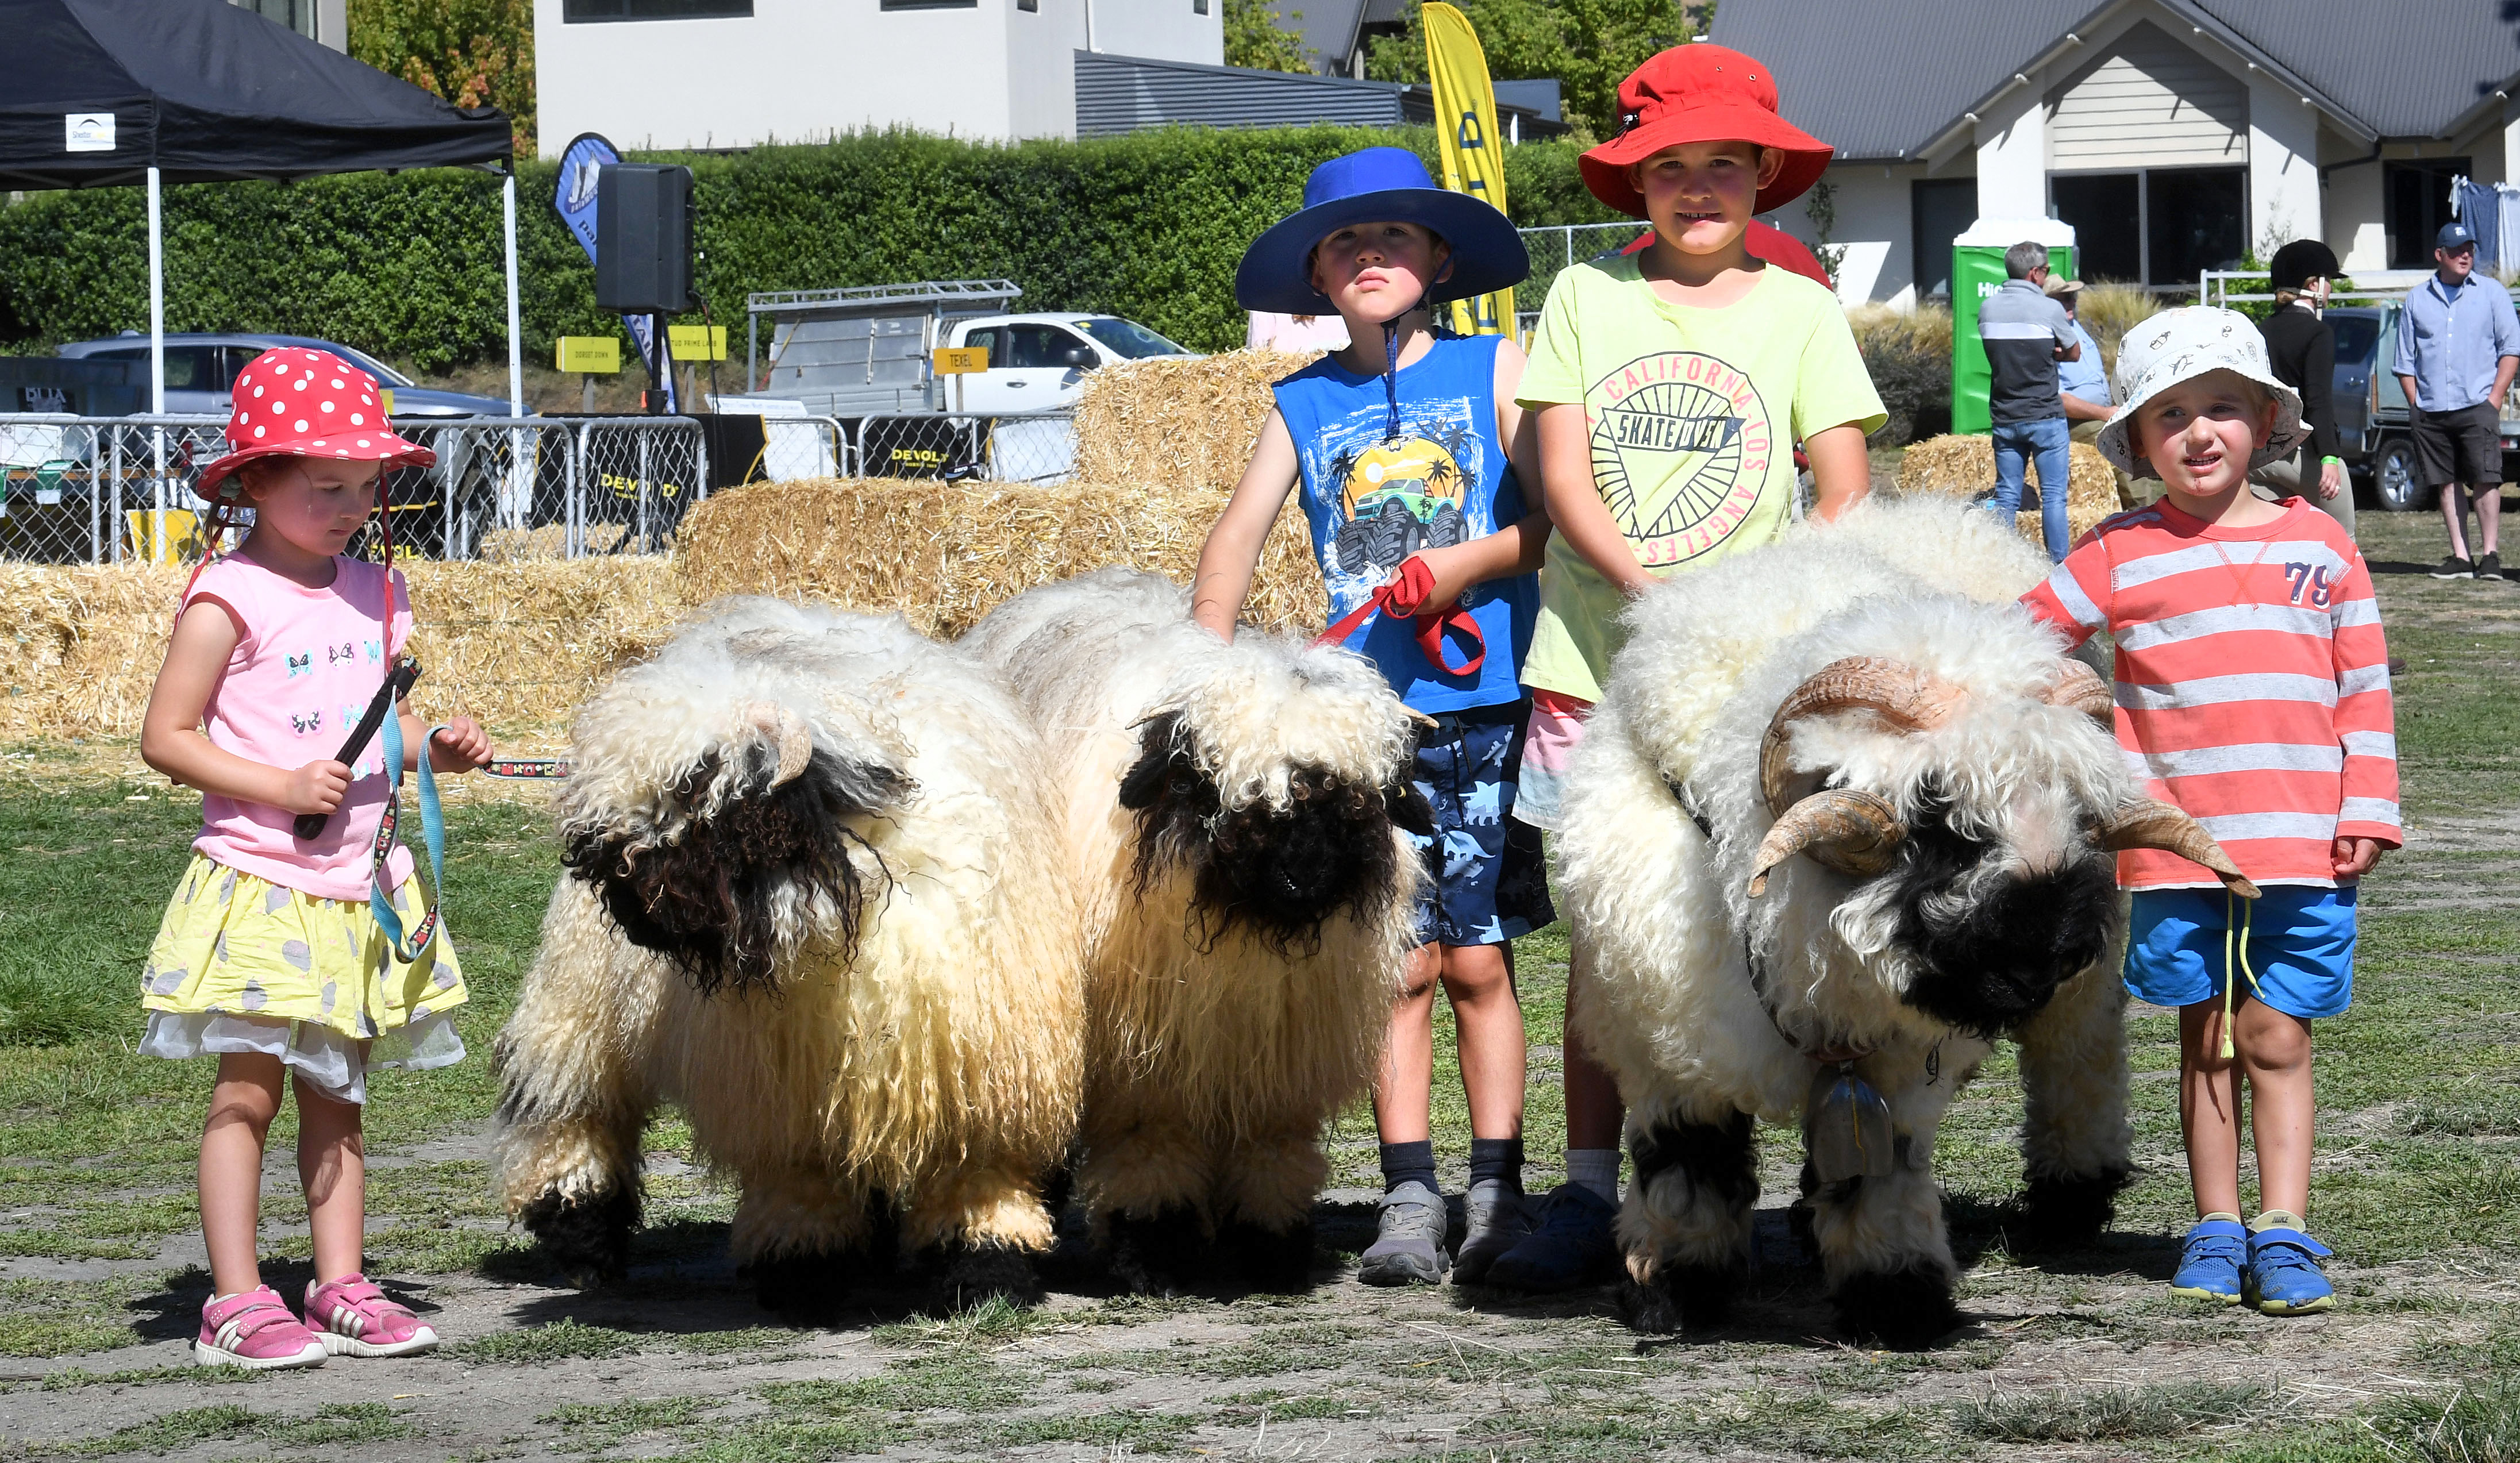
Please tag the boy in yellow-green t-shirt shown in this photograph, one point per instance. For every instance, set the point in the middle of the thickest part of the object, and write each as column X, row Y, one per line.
column 1670, row 386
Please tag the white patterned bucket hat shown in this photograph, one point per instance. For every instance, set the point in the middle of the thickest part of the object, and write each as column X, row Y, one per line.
column 2178, row 345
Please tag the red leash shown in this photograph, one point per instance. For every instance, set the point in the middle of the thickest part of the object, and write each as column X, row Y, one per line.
column 1406, row 595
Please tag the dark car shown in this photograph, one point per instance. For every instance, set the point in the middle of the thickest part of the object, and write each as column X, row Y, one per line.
column 2372, row 418
column 199, row 368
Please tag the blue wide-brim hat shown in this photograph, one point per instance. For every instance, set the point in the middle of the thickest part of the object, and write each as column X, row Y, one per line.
column 1377, row 185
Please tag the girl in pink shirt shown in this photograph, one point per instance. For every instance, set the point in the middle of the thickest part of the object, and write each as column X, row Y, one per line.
column 269, row 954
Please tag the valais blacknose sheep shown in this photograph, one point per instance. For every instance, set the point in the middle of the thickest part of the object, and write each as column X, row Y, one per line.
column 1235, row 819
column 1844, row 809
column 807, row 903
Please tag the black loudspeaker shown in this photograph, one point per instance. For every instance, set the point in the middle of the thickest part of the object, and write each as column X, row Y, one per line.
column 642, row 238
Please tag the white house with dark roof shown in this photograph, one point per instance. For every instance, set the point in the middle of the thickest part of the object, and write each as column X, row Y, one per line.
column 2175, row 134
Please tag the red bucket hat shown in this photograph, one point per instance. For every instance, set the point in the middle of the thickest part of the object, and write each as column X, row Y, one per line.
column 1700, row 93
column 294, row 402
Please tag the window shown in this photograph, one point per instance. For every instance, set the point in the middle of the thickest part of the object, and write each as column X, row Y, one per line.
column 576, row 12
column 2156, row 226
column 929, row 5
column 1039, row 347
column 2356, row 335
column 2419, row 201
column 987, row 341
column 1128, row 339
column 1939, row 211
column 1028, row 5
column 1199, row 7
column 296, row 14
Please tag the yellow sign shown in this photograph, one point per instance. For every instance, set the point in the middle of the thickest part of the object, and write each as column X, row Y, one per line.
column 589, row 355
column 1466, row 137
column 167, row 536
column 384, row 398
column 959, row 360
column 697, row 343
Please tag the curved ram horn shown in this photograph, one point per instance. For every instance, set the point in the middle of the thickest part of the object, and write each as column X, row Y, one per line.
column 2146, row 823
column 1893, row 689
column 790, row 735
column 1853, row 833
column 2081, row 687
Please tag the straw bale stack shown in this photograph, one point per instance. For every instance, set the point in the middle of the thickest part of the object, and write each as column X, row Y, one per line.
column 1964, row 466
column 941, row 554
column 516, row 646
column 1182, row 422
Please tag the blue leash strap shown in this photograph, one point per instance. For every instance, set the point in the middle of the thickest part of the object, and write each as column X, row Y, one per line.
column 433, row 834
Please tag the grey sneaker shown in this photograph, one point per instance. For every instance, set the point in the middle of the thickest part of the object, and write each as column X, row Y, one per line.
column 1410, row 1250
column 1494, row 1220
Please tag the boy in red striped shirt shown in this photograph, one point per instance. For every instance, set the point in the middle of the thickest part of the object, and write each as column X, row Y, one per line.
column 2252, row 691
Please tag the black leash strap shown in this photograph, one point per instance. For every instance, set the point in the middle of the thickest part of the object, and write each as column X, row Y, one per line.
column 397, row 685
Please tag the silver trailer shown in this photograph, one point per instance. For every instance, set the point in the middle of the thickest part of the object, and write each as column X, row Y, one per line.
column 862, row 351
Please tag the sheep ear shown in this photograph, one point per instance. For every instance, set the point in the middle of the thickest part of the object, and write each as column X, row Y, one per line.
column 1409, row 809
column 1159, row 750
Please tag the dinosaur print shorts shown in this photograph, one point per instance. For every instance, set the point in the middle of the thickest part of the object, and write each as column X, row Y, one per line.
column 1486, row 881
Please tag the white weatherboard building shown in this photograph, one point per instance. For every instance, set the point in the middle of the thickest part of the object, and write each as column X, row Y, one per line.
column 733, row 74
column 2173, row 135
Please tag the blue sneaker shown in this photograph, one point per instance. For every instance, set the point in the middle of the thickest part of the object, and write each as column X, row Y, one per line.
column 2284, row 1277
column 1572, row 1245
column 2211, row 1259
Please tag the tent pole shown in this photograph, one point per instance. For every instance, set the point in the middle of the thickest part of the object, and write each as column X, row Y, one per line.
column 519, row 474
column 157, row 332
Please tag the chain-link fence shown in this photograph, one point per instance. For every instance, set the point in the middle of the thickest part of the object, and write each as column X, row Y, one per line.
column 1035, row 448
column 89, row 490
column 1558, row 248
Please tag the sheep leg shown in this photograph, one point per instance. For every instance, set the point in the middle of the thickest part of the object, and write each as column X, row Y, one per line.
column 1147, row 1185
column 806, row 1241
column 1882, row 1239
column 1265, row 1190
column 2076, row 1141
column 1686, row 1224
column 979, row 1227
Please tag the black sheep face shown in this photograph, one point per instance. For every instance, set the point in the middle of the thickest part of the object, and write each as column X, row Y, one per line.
column 1282, row 872
column 1991, row 938
column 711, row 899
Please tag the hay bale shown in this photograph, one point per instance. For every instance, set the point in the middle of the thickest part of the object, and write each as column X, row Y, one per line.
column 1185, row 422
column 941, row 554
column 1964, row 466
column 515, row 645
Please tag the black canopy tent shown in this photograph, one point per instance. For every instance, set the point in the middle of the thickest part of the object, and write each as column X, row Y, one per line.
column 115, row 92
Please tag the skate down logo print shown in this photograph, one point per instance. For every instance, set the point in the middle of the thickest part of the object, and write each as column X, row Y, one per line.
column 1680, row 448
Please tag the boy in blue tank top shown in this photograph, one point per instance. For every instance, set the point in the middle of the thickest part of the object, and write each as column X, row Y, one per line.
column 1405, row 447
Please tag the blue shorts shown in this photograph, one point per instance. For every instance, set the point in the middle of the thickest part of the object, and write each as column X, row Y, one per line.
column 1486, row 881
column 2300, row 947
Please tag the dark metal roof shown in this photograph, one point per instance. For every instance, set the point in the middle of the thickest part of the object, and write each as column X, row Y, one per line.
column 2413, row 68
column 1117, row 94
column 2410, row 68
column 1326, row 27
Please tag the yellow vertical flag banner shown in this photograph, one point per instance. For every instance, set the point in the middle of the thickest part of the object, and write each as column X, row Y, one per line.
column 1473, row 151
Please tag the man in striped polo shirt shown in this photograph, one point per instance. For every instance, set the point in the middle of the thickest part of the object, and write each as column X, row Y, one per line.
column 2026, row 334
column 2252, row 689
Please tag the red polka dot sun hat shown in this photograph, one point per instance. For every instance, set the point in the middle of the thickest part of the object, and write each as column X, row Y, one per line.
column 294, row 402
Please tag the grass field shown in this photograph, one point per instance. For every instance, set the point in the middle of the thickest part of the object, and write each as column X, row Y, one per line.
column 2080, row 1355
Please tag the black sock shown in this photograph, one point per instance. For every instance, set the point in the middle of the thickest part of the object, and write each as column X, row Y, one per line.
column 1499, row 1159
column 1403, row 1162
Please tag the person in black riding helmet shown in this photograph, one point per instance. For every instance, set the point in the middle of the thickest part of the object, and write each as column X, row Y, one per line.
column 2302, row 349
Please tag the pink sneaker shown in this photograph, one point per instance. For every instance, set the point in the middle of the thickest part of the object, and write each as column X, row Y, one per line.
column 351, row 1317
column 254, row 1330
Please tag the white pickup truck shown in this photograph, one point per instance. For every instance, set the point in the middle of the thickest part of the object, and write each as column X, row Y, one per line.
column 1037, row 363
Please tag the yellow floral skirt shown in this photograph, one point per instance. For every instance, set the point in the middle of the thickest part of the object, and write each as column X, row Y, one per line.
column 243, row 964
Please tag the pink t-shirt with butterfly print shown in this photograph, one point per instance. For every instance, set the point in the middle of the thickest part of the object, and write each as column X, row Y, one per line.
column 306, row 664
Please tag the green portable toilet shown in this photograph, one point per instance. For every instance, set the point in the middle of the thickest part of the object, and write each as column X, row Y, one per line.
column 1977, row 271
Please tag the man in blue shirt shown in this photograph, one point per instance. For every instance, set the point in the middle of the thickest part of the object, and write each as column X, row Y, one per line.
column 2026, row 334
column 2458, row 343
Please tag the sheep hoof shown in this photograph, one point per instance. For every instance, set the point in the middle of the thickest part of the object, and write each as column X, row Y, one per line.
column 1272, row 1260
column 976, row 1272
column 1904, row 1310
column 1681, row 1297
column 1154, row 1254
column 588, row 1239
column 2060, row 1212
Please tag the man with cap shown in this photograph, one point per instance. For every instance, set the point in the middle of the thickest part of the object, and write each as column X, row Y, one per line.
column 2302, row 349
column 2458, row 343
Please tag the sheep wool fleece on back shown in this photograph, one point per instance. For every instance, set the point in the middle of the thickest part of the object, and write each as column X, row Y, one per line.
column 807, row 905
column 1709, row 1005
column 1247, row 907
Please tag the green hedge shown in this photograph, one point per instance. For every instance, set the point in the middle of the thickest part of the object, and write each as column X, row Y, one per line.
column 1149, row 226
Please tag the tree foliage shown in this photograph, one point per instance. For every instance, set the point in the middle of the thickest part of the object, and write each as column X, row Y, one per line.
column 1589, row 45
column 1255, row 39
column 473, row 53
column 1149, row 226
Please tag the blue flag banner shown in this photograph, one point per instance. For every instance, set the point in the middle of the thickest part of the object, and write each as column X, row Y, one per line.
column 581, row 167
